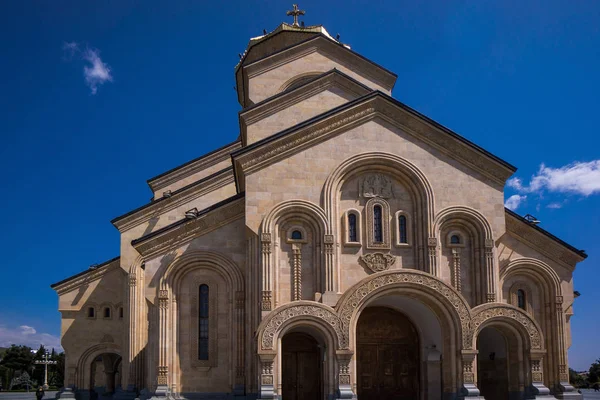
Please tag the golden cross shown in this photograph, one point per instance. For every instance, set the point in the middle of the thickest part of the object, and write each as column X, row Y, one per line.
column 295, row 12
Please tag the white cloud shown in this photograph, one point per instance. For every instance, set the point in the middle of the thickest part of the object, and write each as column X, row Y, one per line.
column 28, row 336
column 97, row 72
column 27, row 330
column 554, row 205
column 513, row 202
column 581, row 178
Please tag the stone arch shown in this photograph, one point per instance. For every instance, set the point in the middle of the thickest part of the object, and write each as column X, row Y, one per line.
column 205, row 259
column 464, row 213
column 391, row 163
column 486, row 314
column 300, row 208
column 83, row 371
column 541, row 272
column 320, row 314
column 552, row 319
column 445, row 295
column 169, row 284
column 297, row 80
column 314, row 217
column 471, row 222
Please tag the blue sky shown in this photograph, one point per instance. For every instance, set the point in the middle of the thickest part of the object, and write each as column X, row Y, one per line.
column 97, row 97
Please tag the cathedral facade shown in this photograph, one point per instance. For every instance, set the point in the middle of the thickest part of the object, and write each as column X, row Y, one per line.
column 345, row 246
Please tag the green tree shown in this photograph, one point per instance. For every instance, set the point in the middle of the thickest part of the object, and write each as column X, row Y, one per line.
column 575, row 379
column 57, row 378
column 17, row 358
column 594, row 374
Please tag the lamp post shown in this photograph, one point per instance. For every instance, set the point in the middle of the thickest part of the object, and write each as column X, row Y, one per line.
column 46, row 362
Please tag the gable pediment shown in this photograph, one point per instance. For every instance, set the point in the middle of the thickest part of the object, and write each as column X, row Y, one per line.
column 375, row 105
column 266, row 76
column 542, row 241
column 313, row 97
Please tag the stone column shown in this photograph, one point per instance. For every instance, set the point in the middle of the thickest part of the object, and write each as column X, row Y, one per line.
column 537, row 375
column 469, row 388
column 267, row 382
column 240, row 375
column 432, row 251
column 163, row 332
column 267, row 290
column 567, row 390
column 297, row 253
column 456, row 264
column 332, row 281
column 489, row 271
column 344, row 386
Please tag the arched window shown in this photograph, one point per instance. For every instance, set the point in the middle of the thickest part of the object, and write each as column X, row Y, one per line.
column 297, row 235
column 455, row 239
column 352, row 236
column 91, row 312
column 521, row 299
column 203, row 323
column 402, row 233
column 106, row 312
column 121, row 312
column 377, row 225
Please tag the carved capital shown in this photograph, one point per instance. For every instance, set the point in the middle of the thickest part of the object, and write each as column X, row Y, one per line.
column 378, row 262
column 491, row 297
column 489, row 244
column 132, row 280
column 266, row 300
column 559, row 300
column 265, row 237
column 328, row 239
column 432, row 242
column 239, row 299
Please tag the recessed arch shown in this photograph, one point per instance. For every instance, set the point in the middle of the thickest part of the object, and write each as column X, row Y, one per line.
column 486, row 314
column 323, row 316
column 298, row 80
column 84, row 364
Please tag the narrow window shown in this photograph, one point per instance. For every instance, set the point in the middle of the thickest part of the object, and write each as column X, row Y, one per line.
column 352, row 228
column 521, row 298
column 106, row 312
column 402, row 229
column 297, row 235
column 455, row 239
column 377, row 225
column 121, row 312
column 203, row 324
column 91, row 312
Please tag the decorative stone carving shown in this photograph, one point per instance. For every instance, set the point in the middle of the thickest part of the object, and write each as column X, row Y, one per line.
column 378, row 262
column 468, row 375
column 329, row 317
column 506, row 311
column 389, row 278
column 265, row 303
column 163, row 371
column 376, row 185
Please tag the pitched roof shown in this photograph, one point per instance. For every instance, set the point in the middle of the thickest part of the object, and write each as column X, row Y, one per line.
column 87, row 271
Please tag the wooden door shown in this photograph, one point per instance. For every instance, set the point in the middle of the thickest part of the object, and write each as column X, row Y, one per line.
column 388, row 356
column 301, row 374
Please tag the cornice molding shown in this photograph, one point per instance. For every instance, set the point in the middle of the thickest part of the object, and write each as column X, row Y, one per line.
column 542, row 243
column 181, row 196
column 337, row 53
column 86, row 277
column 186, row 230
column 192, row 167
column 371, row 106
column 281, row 101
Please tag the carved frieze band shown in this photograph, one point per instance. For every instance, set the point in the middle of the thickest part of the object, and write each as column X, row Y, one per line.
column 192, row 228
column 399, row 277
column 329, row 317
column 507, row 312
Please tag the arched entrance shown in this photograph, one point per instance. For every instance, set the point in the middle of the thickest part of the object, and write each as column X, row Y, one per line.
column 105, row 374
column 301, row 367
column 492, row 364
column 387, row 347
